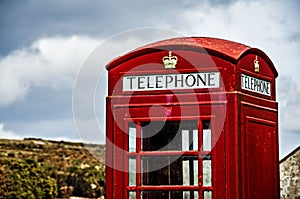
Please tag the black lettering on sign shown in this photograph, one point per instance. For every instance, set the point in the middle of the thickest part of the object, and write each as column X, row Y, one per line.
column 255, row 85
column 140, row 82
column 158, row 81
column 190, row 80
column 178, row 78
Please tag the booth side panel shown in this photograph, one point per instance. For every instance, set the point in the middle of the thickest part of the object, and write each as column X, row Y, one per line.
column 232, row 137
column 219, row 183
column 109, row 151
column 114, row 153
column 119, row 156
column 259, row 152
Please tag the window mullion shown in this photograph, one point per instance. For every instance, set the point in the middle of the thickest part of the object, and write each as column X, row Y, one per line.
column 200, row 141
column 138, row 160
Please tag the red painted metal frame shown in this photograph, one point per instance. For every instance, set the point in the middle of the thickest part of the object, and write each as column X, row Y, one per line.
column 199, row 153
column 234, row 151
column 137, row 119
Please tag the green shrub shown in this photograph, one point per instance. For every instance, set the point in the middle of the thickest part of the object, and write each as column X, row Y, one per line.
column 85, row 182
column 26, row 179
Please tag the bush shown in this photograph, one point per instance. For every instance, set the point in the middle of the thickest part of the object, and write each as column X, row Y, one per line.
column 82, row 182
column 26, row 179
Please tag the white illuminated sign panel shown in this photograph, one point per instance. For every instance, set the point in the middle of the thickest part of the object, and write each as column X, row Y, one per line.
column 171, row 81
column 256, row 85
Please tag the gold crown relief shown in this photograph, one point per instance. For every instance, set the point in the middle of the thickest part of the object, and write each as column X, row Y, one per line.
column 256, row 65
column 170, row 61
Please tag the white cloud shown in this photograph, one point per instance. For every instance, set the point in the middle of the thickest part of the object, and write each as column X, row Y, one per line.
column 8, row 134
column 288, row 91
column 54, row 62
column 268, row 25
column 289, row 95
column 288, row 141
column 34, row 131
column 48, row 129
column 47, row 63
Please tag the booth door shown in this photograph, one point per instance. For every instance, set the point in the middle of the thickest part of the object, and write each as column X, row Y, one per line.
column 166, row 161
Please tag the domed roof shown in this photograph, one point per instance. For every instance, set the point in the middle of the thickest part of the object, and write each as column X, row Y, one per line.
column 225, row 49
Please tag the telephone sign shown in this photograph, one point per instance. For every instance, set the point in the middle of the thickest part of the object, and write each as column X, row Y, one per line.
column 171, row 81
column 256, row 85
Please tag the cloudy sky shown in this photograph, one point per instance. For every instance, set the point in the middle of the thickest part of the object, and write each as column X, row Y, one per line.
column 44, row 45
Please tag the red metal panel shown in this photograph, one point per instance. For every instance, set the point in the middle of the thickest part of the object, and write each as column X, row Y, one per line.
column 232, row 147
column 119, row 157
column 109, row 151
column 259, row 150
column 260, row 160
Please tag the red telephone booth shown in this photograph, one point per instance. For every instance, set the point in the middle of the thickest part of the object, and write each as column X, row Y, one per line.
column 192, row 118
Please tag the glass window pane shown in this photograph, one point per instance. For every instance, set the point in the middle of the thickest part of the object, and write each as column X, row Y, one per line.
column 206, row 145
column 186, row 172
column 207, row 194
column 131, row 195
column 161, row 136
column 196, row 172
column 169, row 135
column 195, row 140
column 132, row 171
column 196, row 195
column 190, row 195
column 169, row 170
column 132, row 137
column 186, row 195
column 185, row 140
column 170, row 194
column 206, row 163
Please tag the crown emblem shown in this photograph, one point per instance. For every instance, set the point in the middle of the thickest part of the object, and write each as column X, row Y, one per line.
column 169, row 61
column 256, row 65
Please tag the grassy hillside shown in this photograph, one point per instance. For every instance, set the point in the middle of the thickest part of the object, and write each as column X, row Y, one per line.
column 73, row 169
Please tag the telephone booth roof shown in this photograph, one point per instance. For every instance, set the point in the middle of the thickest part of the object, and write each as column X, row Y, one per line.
column 224, row 49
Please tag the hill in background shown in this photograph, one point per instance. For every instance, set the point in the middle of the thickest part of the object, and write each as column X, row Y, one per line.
column 73, row 169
